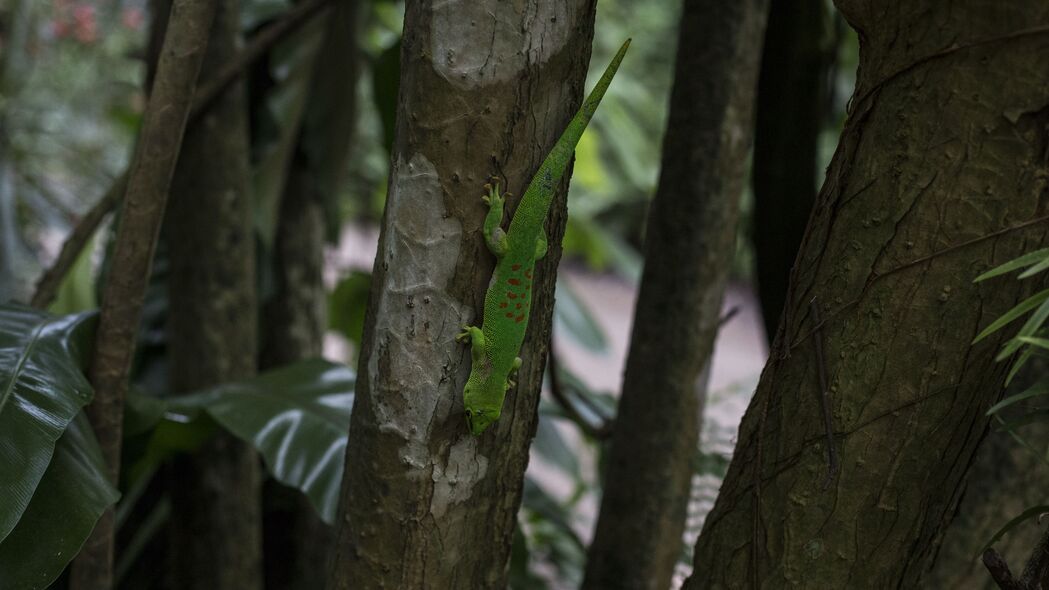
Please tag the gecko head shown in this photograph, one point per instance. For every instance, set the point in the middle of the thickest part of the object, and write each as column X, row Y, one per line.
column 480, row 419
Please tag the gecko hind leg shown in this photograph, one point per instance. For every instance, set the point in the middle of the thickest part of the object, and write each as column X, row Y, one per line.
column 494, row 235
column 475, row 337
column 511, row 379
column 541, row 245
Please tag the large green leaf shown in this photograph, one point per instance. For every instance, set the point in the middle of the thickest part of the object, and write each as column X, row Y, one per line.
column 298, row 417
column 68, row 502
column 42, row 387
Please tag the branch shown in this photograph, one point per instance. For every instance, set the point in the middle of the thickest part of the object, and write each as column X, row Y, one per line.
column 601, row 432
column 1000, row 570
column 259, row 45
column 828, row 424
column 160, row 139
column 1034, row 575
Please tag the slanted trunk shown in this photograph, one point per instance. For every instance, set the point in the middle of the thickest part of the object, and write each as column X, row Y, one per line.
column 940, row 174
column 486, row 89
column 690, row 238
column 215, row 529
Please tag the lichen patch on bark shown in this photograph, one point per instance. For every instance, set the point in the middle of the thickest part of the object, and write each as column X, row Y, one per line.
column 426, row 235
column 475, row 53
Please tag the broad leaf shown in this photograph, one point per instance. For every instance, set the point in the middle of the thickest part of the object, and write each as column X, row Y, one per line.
column 298, row 417
column 68, row 502
column 42, row 387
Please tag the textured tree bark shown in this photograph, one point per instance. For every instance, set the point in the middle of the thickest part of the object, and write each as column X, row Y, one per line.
column 297, row 316
column 149, row 179
column 940, row 173
column 690, row 238
column 215, row 532
column 1005, row 479
column 486, row 89
column 792, row 106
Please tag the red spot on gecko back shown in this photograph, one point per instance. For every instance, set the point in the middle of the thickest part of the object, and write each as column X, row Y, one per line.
column 517, row 267
column 503, row 305
column 527, row 273
column 518, row 306
column 514, row 282
column 510, row 314
column 511, row 295
column 519, row 318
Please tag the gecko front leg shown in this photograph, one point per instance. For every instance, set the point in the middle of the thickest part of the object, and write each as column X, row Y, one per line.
column 475, row 338
column 494, row 235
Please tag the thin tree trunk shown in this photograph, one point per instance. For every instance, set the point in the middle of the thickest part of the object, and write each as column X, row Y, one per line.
column 215, row 532
column 688, row 245
column 1006, row 478
column 486, row 89
column 940, row 174
column 297, row 316
column 148, row 182
column 792, row 107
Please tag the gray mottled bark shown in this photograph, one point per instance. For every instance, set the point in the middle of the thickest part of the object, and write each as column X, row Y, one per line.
column 486, row 89
column 215, row 530
column 689, row 243
column 940, row 174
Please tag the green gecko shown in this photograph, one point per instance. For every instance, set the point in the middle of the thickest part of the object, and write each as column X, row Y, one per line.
column 494, row 347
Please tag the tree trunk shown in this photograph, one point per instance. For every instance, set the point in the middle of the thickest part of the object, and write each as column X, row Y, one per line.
column 296, row 318
column 1005, row 479
column 792, row 106
column 160, row 140
column 940, row 174
column 690, row 238
column 486, row 89
column 215, row 532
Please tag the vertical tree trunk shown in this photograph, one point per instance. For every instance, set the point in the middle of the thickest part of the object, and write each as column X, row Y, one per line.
column 688, row 245
column 215, row 532
column 792, row 106
column 940, row 174
column 486, row 89
column 296, row 317
column 124, row 292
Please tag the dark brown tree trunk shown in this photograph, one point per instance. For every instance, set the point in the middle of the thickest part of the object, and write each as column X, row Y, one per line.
column 486, row 89
column 124, row 292
column 940, row 174
column 793, row 101
column 215, row 529
column 688, row 245
column 296, row 317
